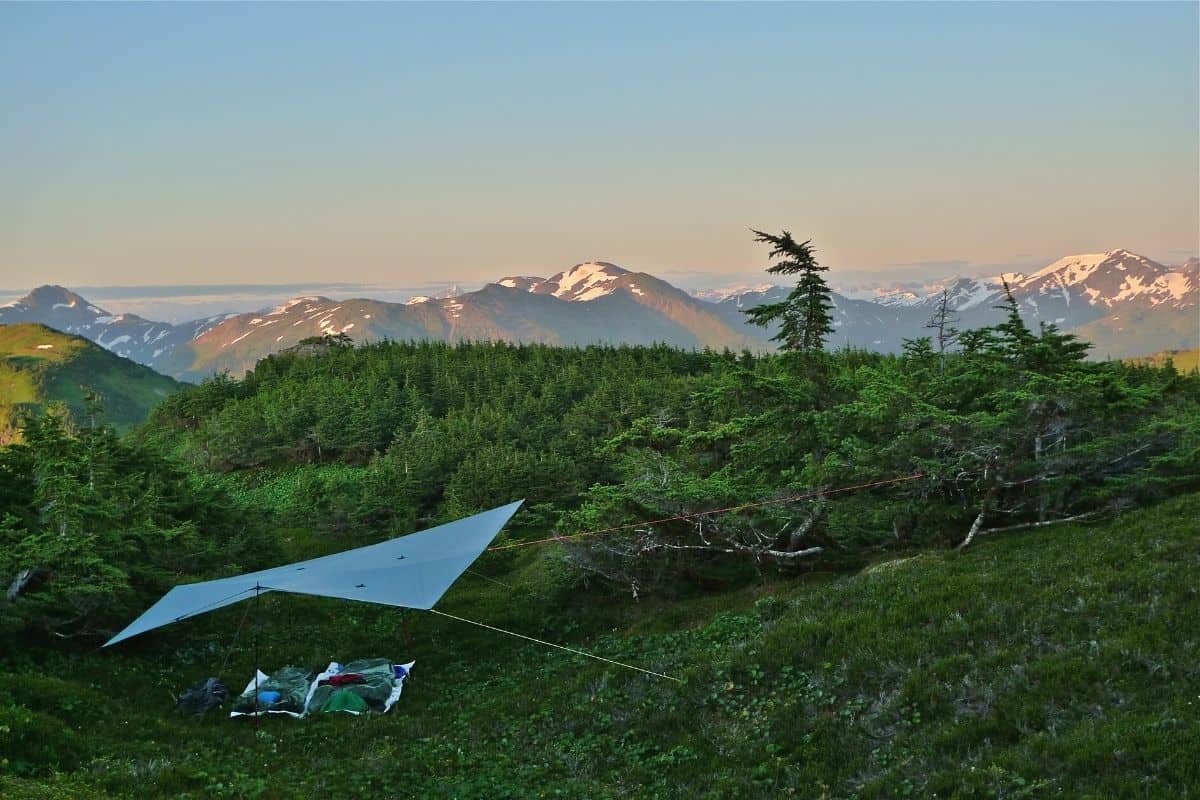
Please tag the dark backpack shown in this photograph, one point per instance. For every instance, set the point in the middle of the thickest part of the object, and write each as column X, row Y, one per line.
column 202, row 697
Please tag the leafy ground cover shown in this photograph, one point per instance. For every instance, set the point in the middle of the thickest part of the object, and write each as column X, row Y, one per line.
column 1058, row 663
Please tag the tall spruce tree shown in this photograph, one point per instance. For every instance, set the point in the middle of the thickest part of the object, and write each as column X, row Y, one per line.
column 804, row 315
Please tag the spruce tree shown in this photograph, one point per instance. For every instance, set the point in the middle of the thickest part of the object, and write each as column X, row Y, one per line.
column 804, row 315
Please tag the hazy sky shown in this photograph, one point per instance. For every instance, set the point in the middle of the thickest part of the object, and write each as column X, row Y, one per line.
column 403, row 143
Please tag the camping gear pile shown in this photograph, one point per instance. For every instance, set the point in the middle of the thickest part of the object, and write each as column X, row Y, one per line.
column 359, row 687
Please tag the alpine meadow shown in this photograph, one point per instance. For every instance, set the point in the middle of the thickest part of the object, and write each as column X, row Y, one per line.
column 855, row 457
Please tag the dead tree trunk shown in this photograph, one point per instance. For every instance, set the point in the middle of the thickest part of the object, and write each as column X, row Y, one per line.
column 978, row 523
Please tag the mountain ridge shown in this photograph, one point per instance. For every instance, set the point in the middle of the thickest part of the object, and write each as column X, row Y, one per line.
column 1100, row 295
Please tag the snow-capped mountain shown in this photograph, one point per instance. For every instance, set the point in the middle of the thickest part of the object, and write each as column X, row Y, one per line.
column 1118, row 279
column 594, row 303
column 1122, row 302
column 726, row 292
column 963, row 293
column 1109, row 280
column 127, row 335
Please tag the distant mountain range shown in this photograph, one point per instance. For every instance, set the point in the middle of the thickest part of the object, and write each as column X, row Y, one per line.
column 1127, row 305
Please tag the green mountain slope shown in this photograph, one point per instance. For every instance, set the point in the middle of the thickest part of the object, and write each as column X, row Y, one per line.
column 1184, row 360
column 1136, row 333
column 39, row 365
column 1061, row 663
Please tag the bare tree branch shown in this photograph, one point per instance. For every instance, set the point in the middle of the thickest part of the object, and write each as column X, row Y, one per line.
column 1043, row 524
column 738, row 549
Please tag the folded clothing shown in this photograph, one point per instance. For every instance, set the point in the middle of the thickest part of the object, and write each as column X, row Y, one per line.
column 344, row 679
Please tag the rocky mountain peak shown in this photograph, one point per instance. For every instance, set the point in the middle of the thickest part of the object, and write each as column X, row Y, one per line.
column 50, row 297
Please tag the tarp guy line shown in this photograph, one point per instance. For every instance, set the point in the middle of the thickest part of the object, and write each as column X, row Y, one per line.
column 552, row 644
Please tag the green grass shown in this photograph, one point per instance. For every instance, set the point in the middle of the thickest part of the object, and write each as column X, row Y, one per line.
column 1184, row 360
column 39, row 365
column 1056, row 663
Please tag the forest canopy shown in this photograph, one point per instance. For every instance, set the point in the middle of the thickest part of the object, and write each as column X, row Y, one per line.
column 1011, row 428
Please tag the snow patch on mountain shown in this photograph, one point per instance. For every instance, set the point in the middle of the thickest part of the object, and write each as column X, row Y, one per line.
column 588, row 281
column 725, row 292
column 899, row 297
column 581, row 283
column 1074, row 269
column 974, row 292
column 284, row 308
column 1175, row 285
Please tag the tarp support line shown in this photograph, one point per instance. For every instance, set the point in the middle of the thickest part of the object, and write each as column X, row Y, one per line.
column 204, row 608
column 552, row 644
column 489, row 578
column 693, row 515
column 236, row 634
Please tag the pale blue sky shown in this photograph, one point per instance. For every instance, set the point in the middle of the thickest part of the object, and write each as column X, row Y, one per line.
column 402, row 143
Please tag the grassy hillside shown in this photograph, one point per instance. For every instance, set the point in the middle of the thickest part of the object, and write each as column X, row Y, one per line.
column 40, row 365
column 1058, row 663
column 1136, row 333
column 1184, row 360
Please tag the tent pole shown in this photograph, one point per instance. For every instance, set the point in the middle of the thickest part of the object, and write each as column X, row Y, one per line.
column 257, row 623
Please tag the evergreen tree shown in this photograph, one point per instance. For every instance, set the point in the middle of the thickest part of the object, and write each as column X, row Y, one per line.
column 804, row 315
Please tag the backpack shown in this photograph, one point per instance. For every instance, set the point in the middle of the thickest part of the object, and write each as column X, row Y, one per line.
column 202, row 697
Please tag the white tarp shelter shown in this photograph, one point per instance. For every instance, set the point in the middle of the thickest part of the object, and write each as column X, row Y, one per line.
column 412, row 571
